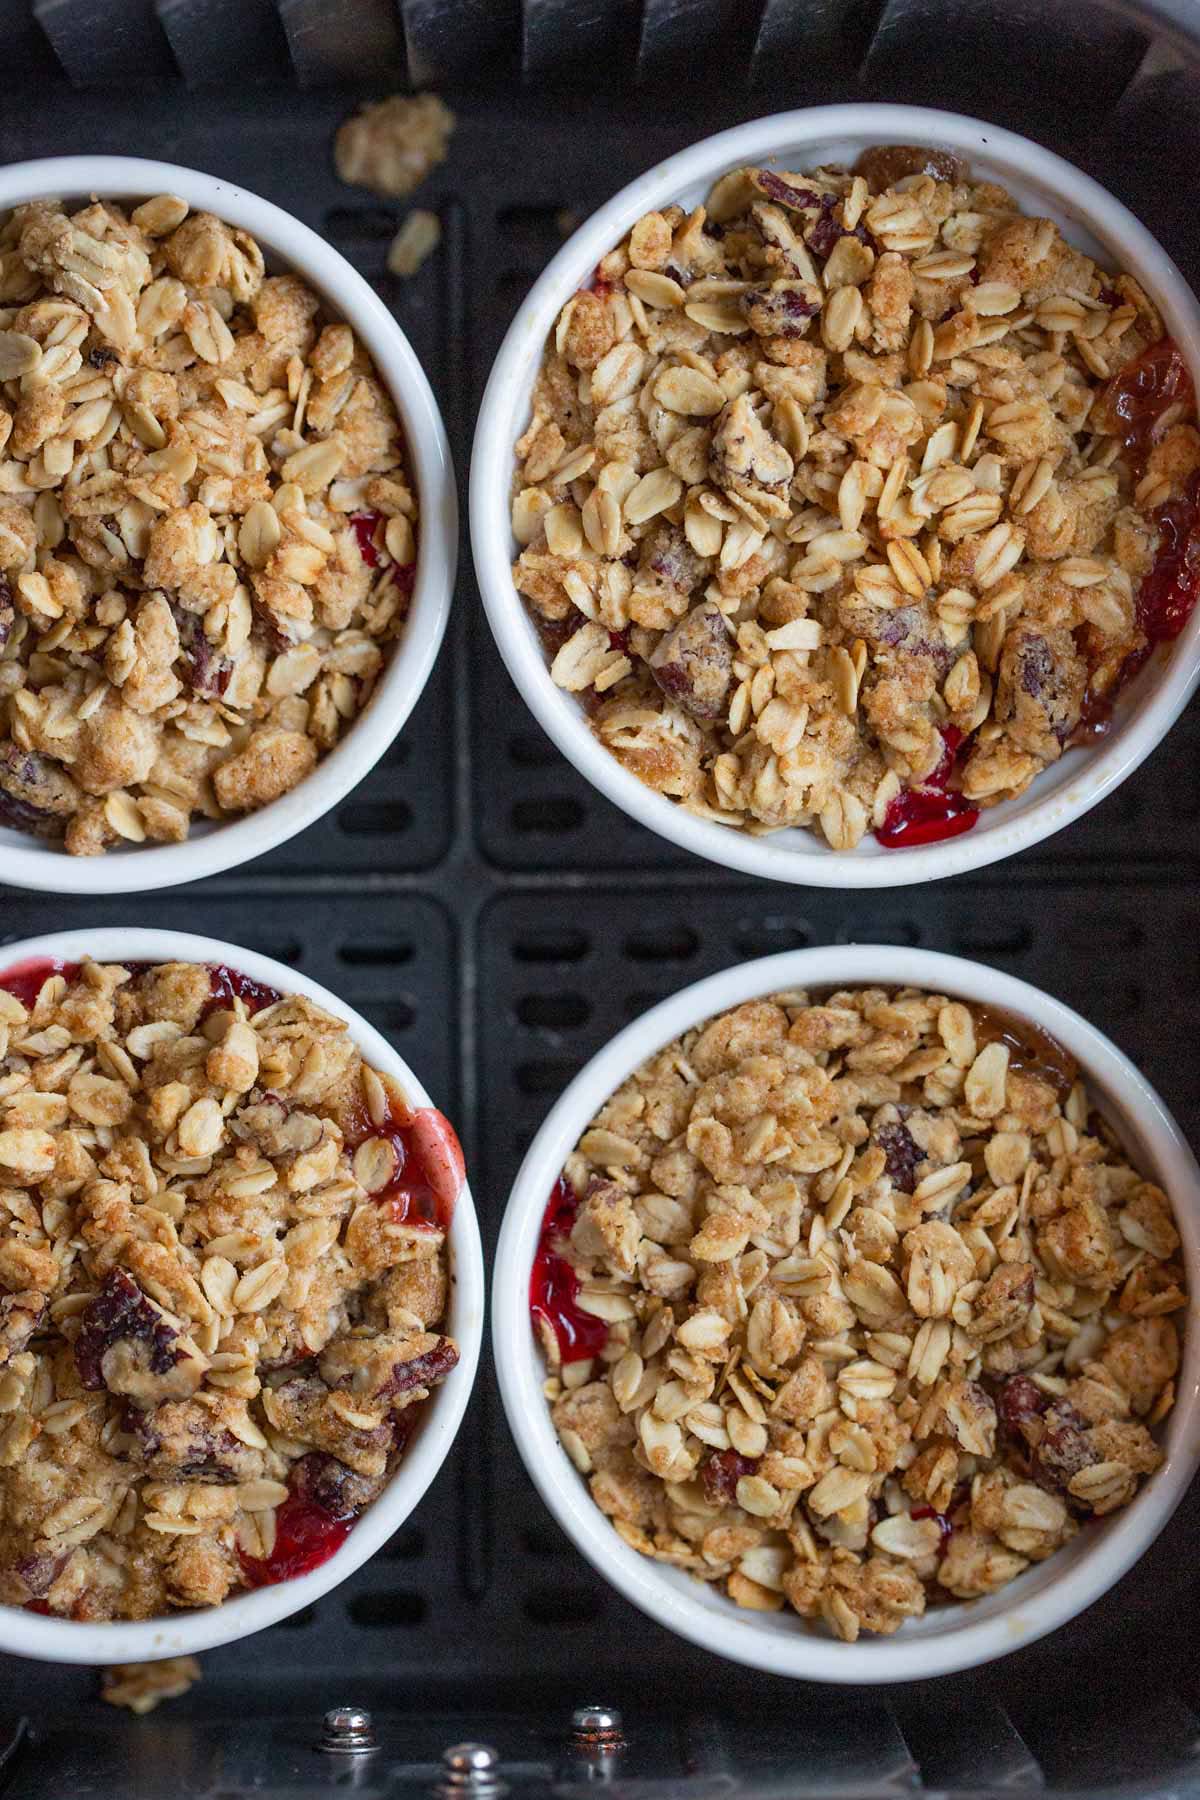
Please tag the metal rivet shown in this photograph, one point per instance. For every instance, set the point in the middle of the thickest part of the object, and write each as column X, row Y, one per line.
column 594, row 1722
column 348, row 1731
column 470, row 1768
column 595, row 1745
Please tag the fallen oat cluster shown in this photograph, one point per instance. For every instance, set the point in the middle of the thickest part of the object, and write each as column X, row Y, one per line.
column 888, row 1311
column 392, row 145
column 140, row 1687
column 825, row 467
column 214, row 1334
column 189, row 614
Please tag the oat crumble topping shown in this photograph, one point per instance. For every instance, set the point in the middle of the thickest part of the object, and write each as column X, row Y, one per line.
column 828, row 496
column 852, row 1305
column 206, row 525
column 223, row 1273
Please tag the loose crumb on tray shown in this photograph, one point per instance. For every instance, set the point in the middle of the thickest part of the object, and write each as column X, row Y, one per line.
column 414, row 243
column 142, row 1686
column 392, row 146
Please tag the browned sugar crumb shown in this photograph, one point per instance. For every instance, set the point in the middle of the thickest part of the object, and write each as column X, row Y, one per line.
column 816, row 470
column 414, row 243
column 392, row 146
column 888, row 1319
column 197, row 1291
column 187, row 619
column 143, row 1686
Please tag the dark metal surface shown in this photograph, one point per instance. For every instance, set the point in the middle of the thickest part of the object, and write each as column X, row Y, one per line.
column 499, row 921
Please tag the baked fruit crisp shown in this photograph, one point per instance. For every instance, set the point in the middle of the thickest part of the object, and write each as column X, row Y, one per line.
column 206, row 528
column 223, row 1270
column 850, row 499
column 852, row 1305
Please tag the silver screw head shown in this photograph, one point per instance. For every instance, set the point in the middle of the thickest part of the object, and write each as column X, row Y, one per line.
column 596, row 1721
column 471, row 1769
column 347, row 1718
column 348, row 1728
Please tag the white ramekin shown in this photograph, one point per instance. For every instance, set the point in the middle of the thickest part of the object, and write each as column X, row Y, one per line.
column 29, row 862
column 1043, row 183
column 185, row 1633
column 955, row 1636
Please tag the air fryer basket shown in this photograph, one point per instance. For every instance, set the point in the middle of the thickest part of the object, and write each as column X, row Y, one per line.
column 498, row 920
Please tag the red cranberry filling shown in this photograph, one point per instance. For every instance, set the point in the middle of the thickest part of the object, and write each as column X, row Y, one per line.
column 1142, row 393
column 364, row 525
column 943, row 1523
column 554, row 1285
column 1095, row 718
column 1031, row 1051
column 1168, row 593
column 429, row 1167
column 25, row 980
column 1164, row 604
column 367, row 528
column 934, row 810
column 324, row 1504
column 720, row 1474
column 227, row 985
column 306, row 1535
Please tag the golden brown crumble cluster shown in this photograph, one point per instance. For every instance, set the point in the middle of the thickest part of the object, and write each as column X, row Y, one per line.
column 140, row 1687
column 889, row 1312
column 825, row 468
column 216, row 1326
column 206, row 527
column 391, row 146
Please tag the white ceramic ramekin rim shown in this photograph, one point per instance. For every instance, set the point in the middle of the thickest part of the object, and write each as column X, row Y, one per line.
column 181, row 1634
column 211, row 849
column 957, row 1636
column 799, row 140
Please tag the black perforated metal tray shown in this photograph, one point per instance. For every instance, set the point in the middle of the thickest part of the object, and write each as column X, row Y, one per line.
column 498, row 921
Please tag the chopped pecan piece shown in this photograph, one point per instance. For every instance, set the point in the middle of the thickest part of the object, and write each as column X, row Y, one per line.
column 128, row 1345
column 693, row 663
column 35, row 794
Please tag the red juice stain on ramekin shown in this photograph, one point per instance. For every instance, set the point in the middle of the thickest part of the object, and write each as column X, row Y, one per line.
column 429, row 1170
